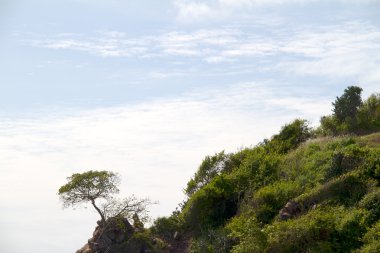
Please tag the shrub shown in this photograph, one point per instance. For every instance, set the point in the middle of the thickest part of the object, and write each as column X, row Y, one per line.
column 200, row 245
column 246, row 231
column 372, row 165
column 211, row 206
column 312, row 231
column 351, row 228
column 165, row 227
column 329, row 126
column 369, row 113
column 270, row 199
column 212, row 241
column 371, row 202
column 345, row 190
column 290, row 136
column 333, row 229
column 346, row 159
column 259, row 168
column 371, row 240
column 210, row 167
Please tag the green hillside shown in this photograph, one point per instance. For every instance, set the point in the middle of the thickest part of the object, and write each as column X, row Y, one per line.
column 303, row 190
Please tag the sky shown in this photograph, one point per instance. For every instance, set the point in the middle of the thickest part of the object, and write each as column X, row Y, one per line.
column 149, row 88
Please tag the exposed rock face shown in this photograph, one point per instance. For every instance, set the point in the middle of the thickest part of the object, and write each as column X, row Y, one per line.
column 291, row 209
column 115, row 236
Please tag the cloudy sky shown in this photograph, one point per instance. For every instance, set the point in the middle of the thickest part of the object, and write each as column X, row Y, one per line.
column 148, row 88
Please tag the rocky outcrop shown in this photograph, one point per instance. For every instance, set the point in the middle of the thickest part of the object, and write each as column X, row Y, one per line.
column 115, row 236
column 291, row 209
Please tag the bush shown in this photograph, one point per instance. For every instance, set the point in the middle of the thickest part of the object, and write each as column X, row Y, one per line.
column 371, row 202
column 371, row 240
column 211, row 206
column 346, row 159
column 372, row 165
column 334, row 229
column 212, row 241
column 306, row 234
column 369, row 113
column 258, row 169
column 345, row 190
column 290, row 136
column 351, row 228
column 270, row 199
column 165, row 227
column 329, row 126
column 245, row 230
column 210, row 167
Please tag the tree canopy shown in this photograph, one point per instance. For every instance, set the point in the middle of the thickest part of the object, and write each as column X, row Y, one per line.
column 347, row 105
column 95, row 186
column 88, row 187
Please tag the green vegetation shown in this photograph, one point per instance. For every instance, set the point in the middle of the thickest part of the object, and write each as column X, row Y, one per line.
column 303, row 190
column 351, row 115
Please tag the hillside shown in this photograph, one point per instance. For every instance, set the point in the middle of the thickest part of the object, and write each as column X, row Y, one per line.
column 323, row 196
column 303, row 190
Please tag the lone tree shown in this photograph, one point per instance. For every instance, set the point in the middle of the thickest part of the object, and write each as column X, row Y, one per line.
column 89, row 187
column 100, row 186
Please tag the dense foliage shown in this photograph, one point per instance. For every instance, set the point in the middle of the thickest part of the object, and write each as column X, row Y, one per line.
column 352, row 115
column 302, row 190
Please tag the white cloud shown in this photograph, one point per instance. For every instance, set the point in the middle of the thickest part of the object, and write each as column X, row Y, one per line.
column 105, row 43
column 335, row 52
column 190, row 11
column 347, row 38
column 349, row 49
column 193, row 10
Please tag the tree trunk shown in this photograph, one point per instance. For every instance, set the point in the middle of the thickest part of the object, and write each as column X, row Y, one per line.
column 98, row 210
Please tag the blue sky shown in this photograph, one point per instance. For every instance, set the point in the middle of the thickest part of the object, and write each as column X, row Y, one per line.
column 148, row 88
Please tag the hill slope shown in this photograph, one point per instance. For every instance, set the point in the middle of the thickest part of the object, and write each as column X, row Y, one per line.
column 303, row 190
column 323, row 196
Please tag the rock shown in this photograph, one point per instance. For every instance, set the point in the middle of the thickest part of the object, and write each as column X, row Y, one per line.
column 96, row 232
column 285, row 215
column 116, row 236
column 291, row 209
column 85, row 249
column 176, row 235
